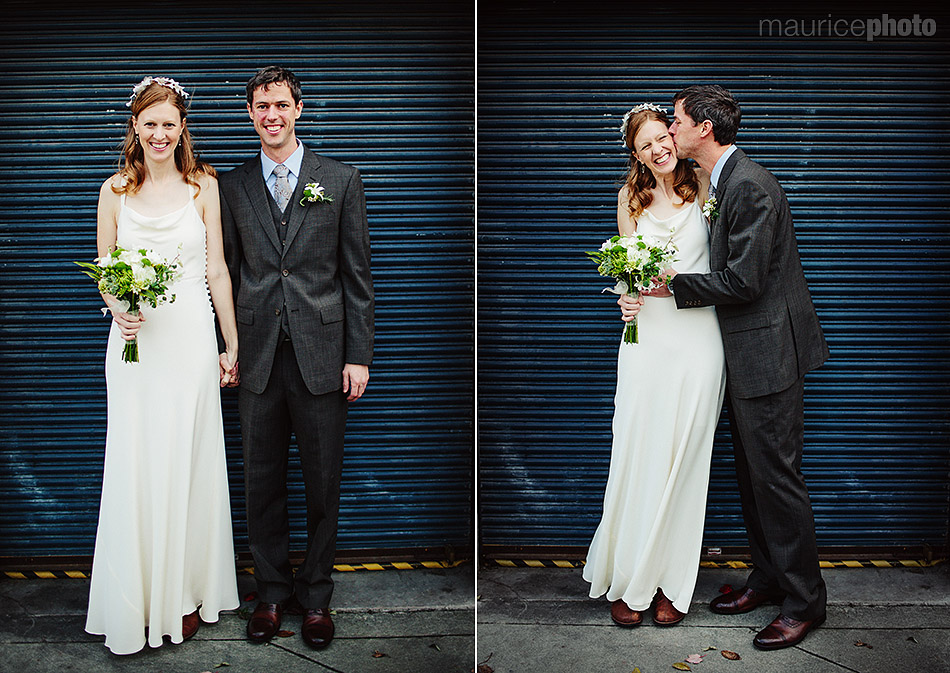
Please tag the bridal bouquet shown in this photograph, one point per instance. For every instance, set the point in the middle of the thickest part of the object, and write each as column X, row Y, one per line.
column 133, row 276
column 634, row 261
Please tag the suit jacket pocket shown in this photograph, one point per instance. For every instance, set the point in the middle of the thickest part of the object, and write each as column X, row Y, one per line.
column 746, row 322
column 244, row 315
column 332, row 313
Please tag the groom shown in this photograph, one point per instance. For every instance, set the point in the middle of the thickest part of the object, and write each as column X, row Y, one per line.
column 297, row 247
column 772, row 338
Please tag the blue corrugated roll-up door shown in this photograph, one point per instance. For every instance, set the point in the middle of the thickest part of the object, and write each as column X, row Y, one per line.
column 388, row 89
column 856, row 132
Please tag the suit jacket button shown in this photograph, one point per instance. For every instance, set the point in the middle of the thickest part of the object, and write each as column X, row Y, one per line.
column 285, row 272
column 276, row 311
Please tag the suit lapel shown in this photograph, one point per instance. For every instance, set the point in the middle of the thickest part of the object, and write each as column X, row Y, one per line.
column 726, row 173
column 259, row 199
column 309, row 172
column 719, row 233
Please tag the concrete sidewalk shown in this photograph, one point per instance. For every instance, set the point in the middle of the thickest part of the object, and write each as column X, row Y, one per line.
column 880, row 620
column 421, row 620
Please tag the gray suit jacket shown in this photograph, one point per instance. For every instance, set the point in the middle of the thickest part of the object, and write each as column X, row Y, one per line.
column 770, row 331
column 322, row 273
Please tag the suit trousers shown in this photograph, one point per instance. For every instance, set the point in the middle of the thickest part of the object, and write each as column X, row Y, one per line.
column 318, row 423
column 768, row 438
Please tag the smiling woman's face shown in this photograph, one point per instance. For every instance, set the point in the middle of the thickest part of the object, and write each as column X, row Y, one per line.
column 159, row 128
column 654, row 146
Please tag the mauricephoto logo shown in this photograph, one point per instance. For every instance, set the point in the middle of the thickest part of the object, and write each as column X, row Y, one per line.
column 864, row 28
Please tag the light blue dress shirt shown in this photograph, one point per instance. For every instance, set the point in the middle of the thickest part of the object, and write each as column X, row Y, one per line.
column 293, row 165
column 717, row 169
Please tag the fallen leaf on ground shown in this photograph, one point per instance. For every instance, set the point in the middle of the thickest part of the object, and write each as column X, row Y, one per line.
column 708, row 647
column 377, row 654
column 284, row 634
column 436, row 647
column 911, row 639
column 680, row 666
column 485, row 668
column 694, row 659
column 725, row 588
column 861, row 643
column 223, row 663
column 732, row 656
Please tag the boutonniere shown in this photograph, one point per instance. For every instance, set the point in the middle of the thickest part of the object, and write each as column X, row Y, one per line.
column 314, row 193
column 711, row 209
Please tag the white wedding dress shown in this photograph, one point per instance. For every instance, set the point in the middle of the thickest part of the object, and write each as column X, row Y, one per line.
column 670, row 387
column 164, row 542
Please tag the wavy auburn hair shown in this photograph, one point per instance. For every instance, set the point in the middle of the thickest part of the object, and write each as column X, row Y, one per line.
column 132, row 160
column 640, row 184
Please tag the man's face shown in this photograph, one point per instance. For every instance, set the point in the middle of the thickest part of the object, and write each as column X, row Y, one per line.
column 274, row 113
column 685, row 132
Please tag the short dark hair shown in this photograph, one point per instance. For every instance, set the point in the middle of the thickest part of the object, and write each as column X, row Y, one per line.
column 712, row 102
column 274, row 74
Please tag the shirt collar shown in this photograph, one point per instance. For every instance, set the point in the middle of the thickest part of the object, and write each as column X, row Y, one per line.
column 717, row 169
column 292, row 163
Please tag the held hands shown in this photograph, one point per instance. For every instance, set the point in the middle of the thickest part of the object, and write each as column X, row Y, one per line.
column 355, row 378
column 630, row 306
column 228, row 368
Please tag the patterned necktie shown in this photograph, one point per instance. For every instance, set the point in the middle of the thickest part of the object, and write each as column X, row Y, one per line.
column 282, row 191
column 712, row 190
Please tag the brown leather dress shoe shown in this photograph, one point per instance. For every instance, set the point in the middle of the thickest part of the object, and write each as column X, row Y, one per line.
column 785, row 632
column 189, row 625
column 664, row 614
column 623, row 615
column 741, row 600
column 264, row 623
column 317, row 628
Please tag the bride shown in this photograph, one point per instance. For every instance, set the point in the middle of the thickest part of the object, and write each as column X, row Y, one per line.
column 669, row 394
column 164, row 553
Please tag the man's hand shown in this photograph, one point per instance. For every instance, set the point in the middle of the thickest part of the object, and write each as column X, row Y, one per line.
column 230, row 376
column 355, row 378
column 629, row 306
column 662, row 288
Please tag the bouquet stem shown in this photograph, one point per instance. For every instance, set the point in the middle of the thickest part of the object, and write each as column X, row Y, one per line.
column 131, row 351
column 630, row 332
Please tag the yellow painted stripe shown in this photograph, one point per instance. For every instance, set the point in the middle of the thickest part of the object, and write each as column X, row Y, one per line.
column 852, row 564
column 739, row 565
column 505, row 562
column 373, row 566
column 881, row 564
column 15, row 575
column 399, row 565
column 342, row 567
column 564, row 564
column 534, row 564
column 911, row 564
column 45, row 575
column 432, row 564
column 75, row 574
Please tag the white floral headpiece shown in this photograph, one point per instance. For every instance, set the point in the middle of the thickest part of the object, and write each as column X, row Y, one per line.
column 166, row 82
column 634, row 110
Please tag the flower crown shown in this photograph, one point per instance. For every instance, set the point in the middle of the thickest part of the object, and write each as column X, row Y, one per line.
column 166, row 82
column 634, row 110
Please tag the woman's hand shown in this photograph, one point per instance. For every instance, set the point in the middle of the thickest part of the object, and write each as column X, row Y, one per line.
column 629, row 306
column 228, row 367
column 129, row 325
